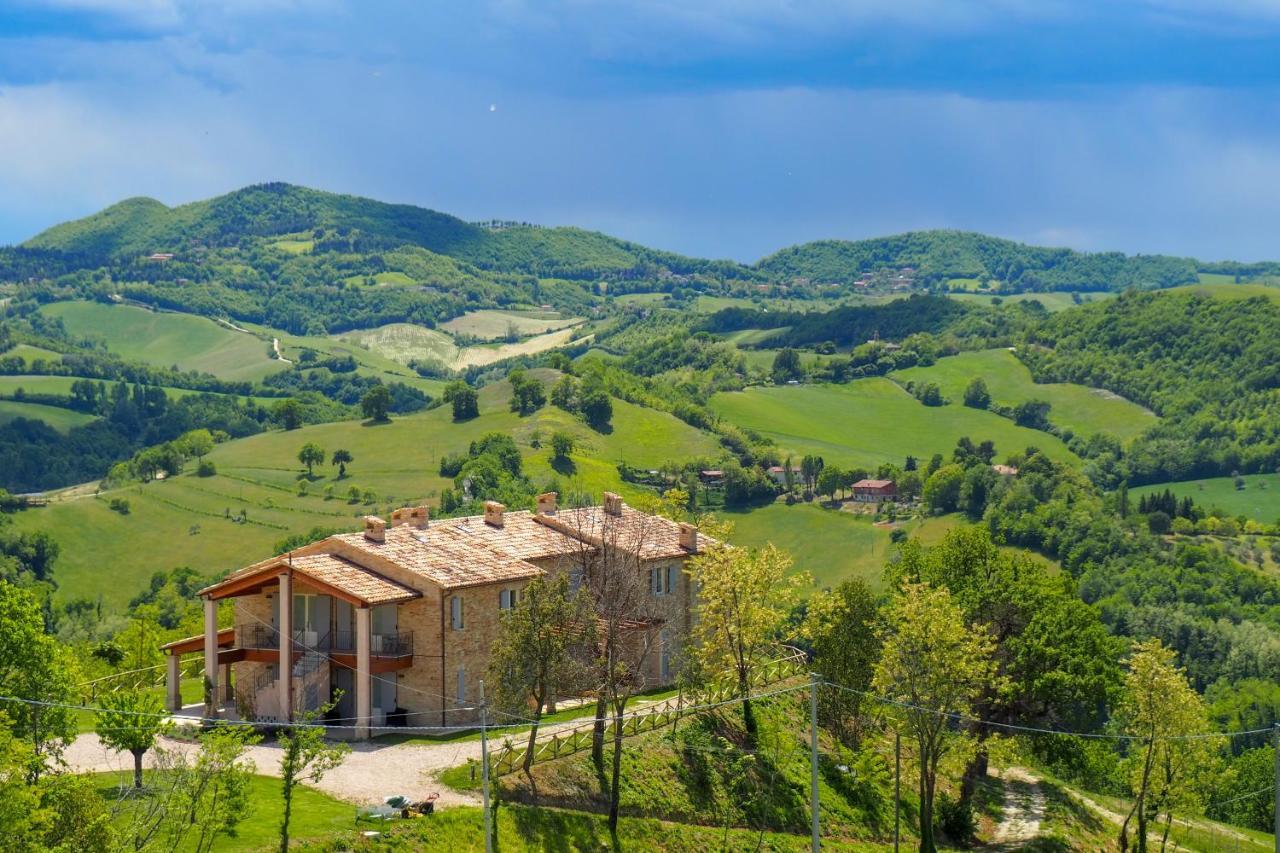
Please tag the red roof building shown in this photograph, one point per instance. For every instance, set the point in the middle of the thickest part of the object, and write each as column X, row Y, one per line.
column 870, row 491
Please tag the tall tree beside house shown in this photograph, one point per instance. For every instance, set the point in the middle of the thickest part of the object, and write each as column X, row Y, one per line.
column 1168, row 771
column 131, row 721
column 305, row 756
column 311, row 455
column 544, row 649
column 341, row 458
column 932, row 666
column 744, row 597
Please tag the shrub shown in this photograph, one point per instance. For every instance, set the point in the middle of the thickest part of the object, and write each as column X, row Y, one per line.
column 955, row 818
column 206, row 469
column 120, row 505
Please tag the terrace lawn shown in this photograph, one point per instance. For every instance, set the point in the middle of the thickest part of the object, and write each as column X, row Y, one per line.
column 1259, row 499
column 55, row 416
column 165, row 339
column 1082, row 410
column 871, row 421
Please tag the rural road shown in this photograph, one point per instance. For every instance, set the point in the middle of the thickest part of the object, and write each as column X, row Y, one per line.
column 1023, row 810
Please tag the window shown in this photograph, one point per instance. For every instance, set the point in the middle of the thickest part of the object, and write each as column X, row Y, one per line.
column 673, row 578
column 508, row 598
column 455, row 612
column 662, row 580
column 462, row 685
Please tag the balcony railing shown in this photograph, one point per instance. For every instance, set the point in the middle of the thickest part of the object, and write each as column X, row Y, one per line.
column 394, row 645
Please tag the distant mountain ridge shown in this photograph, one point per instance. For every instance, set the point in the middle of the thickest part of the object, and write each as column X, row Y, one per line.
column 137, row 227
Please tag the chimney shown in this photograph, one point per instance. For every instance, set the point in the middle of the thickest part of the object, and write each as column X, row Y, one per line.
column 547, row 503
column 375, row 529
column 689, row 537
column 612, row 503
column 419, row 517
column 493, row 513
column 400, row 516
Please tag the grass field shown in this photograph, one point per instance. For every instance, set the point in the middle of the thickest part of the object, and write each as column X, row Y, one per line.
column 1228, row 289
column 403, row 342
column 1259, row 499
column 315, row 816
column 870, row 421
column 165, row 339
column 752, row 337
column 1052, row 302
column 494, row 325
column 294, row 247
column 29, row 353
column 183, row 520
column 1082, row 410
column 56, row 417
column 62, row 385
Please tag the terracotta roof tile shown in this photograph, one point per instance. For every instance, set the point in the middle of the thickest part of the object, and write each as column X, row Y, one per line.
column 354, row 580
column 444, row 556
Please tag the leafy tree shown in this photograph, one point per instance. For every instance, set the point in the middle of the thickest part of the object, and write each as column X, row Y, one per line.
column 131, row 721
column 942, row 489
column 830, row 481
column 561, row 444
column 840, row 624
column 787, row 366
column 376, row 403
column 288, row 413
column 1032, row 413
column 596, row 407
column 744, row 596
column 464, row 399
column 930, row 394
column 976, row 395
column 341, row 458
column 543, row 650
column 527, row 394
column 1165, row 775
column 197, row 442
column 564, row 394
column 1159, row 523
column 208, row 791
column 305, row 755
column 311, row 455
column 932, row 665
column 1251, row 772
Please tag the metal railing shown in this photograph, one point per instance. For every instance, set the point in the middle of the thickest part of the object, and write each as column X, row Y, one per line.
column 394, row 645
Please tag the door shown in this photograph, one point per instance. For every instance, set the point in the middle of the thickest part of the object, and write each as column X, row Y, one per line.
column 383, row 621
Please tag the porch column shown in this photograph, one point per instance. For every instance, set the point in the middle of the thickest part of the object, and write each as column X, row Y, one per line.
column 228, row 694
column 173, row 682
column 213, row 705
column 364, row 639
column 285, row 684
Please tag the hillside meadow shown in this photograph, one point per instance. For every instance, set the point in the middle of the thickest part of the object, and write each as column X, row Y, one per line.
column 192, row 521
column 404, row 342
column 164, row 339
column 1082, row 410
column 871, row 421
column 1259, row 499
column 56, row 417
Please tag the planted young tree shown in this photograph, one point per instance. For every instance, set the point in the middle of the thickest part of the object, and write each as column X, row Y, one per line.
column 376, row 404
column 305, row 756
column 932, row 666
column 545, row 649
column 311, row 455
column 1168, row 771
column 210, row 790
column 341, row 458
column 744, row 597
column 131, row 721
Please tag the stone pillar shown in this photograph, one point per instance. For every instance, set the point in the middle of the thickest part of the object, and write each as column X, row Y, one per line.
column 285, row 624
column 213, row 703
column 228, row 693
column 173, row 682
column 363, row 679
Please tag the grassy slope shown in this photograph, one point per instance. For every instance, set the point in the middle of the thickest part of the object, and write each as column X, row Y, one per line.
column 871, row 421
column 165, row 339
column 1082, row 410
column 62, row 385
column 315, row 815
column 490, row 324
column 402, row 342
column 369, row 363
column 1052, row 302
column 1259, row 499
column 29, row 353
column 58, row 418
column 260, row 475
column 1223, row 288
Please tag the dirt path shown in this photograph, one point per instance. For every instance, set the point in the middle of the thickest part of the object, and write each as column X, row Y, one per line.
column 275, row 345
column 1024, row 806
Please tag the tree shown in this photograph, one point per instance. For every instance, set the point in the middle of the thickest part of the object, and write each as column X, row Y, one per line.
column 942, row 489
column 830, row 481
column 786, row 366
column 527, row 395
column 376, row 403
column 311, row 455
column 197, row 443
column 744, row 596
column 976, row 395
column 341, row 458
column 932, row 665
column 596, row 407
column 305, row 756
column 931, row 395
column 463, row 398
column 544, row 650
column 210, row 790
column 561, row 444
column 1167, row 770
column 841, row 627
column 131, row 721
column 564, row 394
column 289, row 413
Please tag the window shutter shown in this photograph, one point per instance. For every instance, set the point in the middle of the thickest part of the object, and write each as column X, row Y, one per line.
column 462, row 683
column 455, row 605
column 671, row 579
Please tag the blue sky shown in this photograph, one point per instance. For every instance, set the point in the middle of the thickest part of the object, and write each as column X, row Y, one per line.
column 725, row 128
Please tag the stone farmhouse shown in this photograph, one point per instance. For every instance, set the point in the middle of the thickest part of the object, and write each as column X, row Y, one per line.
column 397, row 620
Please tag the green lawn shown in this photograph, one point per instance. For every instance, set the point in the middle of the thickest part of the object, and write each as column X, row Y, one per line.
column 871, row 421
column 1259, row 499
column 55, row 416
column 832, row 546
column 181, row 521
column 165, row 339
column 316, row 815
column 1082, row 410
